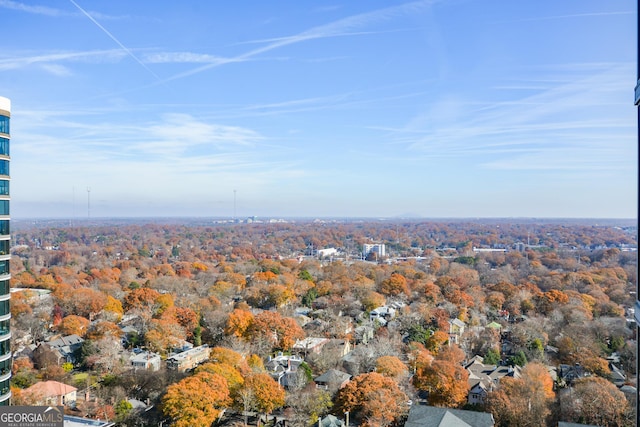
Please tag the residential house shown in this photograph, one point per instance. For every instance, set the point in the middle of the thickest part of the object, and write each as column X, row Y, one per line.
column 284, row 369
column 51, row 393
column 189, row 359
column 456, row 329
column 337, row 346
column 57, row 352
column 310, row 345
column 567, row 374
column 431, row 416
column 332, row 380
column 327, row 252
column 145, row 360
column 382, row 315
column 617, row 376
column 67, row 345
column 630, row 392
column 43, row 356
column 483, row 378
column 330, row 421
column 363, row 334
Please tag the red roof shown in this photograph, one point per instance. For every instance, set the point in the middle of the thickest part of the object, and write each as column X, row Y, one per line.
column 50, row 389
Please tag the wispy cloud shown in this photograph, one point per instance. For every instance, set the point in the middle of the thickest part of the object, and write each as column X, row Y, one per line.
column 173, row 136
column 575, row 15
column 38, row 10
column 49, row 11
column 187, row 158
column 562, row 159
column 332, row 29
column 57, row 70
column 94, row 56
column 183, row 57
column 566, row 126
column 184, row 131
column 328, row 8
column 336, row 34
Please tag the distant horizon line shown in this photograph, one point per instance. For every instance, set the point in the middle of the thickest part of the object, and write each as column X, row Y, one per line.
column 313, row 218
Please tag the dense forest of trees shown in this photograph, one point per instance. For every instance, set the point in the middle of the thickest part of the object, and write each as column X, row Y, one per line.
column 555, row 293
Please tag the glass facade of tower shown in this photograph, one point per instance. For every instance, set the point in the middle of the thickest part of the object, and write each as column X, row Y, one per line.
column 5, row 313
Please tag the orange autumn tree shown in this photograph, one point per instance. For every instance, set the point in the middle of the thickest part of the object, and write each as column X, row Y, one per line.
column 88, row 302
column 373, row 399
column 372, row 300
column 73, row 325
column 229, row 357
column 437, row 341
column 103, row 329
column 238, row 322
column 141, row 298
column 391, row 366
column 523, row 401
column 594, row 400
column 266, row 393
column 444, row 378
column 233, row 376
column 281, row 331
column 196, row 400
column 187, row 318
column 394, row 285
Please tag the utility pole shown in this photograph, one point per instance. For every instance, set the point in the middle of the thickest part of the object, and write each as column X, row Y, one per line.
column 234, row 205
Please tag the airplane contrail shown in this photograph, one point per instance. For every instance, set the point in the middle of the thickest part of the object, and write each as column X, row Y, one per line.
column 85, row 13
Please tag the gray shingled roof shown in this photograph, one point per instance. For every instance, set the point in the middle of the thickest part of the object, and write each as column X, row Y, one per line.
column 332, row 376
column 430, row 416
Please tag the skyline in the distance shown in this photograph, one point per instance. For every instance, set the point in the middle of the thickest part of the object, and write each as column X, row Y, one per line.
column 430, row 109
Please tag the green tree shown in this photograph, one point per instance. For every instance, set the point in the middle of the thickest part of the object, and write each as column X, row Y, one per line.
column 519, row 359
column 305, row 275
column 418, row 333
column 123, row 409
column 492, row 357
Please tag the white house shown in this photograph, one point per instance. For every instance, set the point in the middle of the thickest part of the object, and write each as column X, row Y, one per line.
column 145, row 360
column 382, row 314
column 326, row 253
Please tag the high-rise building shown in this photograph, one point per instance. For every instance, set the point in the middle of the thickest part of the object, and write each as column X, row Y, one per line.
column 637, row 305
column 376, row 248
column 5, row 254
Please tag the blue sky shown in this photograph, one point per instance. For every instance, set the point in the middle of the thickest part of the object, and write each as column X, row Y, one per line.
column 452, row 108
